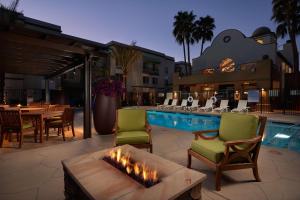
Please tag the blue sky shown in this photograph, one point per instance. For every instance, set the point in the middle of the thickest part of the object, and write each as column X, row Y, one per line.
column 149, row 22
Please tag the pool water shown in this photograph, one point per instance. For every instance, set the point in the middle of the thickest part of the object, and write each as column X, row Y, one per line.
column 276, row 134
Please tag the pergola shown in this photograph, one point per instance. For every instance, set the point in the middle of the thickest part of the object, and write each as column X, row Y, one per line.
column 33, row 47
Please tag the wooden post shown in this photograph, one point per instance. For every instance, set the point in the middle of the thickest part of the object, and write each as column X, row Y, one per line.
column 87, row 98
column 2, row 81
column 47, row 91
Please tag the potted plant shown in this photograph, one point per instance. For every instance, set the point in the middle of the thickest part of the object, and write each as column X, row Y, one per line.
column 106, row 93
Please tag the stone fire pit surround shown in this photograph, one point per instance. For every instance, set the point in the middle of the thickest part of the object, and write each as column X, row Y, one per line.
column 90, row 177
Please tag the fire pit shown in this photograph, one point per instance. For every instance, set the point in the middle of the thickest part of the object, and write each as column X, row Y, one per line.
column 129, row 173
column 139, row 172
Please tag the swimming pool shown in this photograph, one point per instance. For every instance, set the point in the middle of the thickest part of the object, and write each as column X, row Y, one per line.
column 276, row 134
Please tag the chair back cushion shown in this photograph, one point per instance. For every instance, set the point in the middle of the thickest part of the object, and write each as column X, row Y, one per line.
column 131, row 120
column 236, row 126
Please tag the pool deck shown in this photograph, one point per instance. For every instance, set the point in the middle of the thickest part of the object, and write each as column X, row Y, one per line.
column 37, row 173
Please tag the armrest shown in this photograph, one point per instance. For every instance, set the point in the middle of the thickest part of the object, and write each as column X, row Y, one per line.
column 201, row 134
column 148, row 128
column 247, row 141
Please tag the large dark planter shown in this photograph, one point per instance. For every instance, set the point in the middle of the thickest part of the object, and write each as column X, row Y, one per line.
column 104, row 114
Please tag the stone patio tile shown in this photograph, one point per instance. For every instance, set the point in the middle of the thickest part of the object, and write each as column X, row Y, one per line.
column 28, row 194
column 51, row 190
column 25, row 180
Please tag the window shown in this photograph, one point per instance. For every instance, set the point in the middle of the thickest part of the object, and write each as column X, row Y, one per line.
column 260, row 41
column 207, row 71
column 286, row 68
column 145, row 79
column 166, row 70
column 249, row 67
column 166, row 82
column 227, row 65
column 154, row 81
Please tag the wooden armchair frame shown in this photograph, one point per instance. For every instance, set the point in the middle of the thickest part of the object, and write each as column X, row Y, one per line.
column 12, row 122
column 141, row 146
column 249, row 153
column 67, row 120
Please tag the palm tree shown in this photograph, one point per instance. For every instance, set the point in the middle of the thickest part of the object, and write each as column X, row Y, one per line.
column 178, row 33
column 286, row 13
column 204, row 30
column 189, row 35
column 125, row 57
column 9, row 13
column 183, row 28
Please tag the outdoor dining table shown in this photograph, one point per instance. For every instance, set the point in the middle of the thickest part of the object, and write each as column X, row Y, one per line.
column 39, row 116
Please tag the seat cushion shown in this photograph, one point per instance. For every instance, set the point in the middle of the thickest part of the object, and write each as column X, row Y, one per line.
column 210, row 149
column 27, row 125
column 236, row 126
column 56, row 122
column 131, row 120
column 132, row 137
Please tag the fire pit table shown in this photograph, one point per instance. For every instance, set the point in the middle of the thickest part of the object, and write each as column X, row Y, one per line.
column 90, row 177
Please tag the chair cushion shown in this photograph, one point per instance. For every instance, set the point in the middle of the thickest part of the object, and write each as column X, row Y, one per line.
column 55, row 122
column 131, row 120
column 210, row 149
column 235, row 126
column 132, row 137
column 27, row 125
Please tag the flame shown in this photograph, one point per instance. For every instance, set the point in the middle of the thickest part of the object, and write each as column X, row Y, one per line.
column 133, row 168
column 118, row 155
column 128, row 169
column 136, row 169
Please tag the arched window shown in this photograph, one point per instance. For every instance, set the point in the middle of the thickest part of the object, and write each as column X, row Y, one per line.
column 227, row 65
column 207, row 71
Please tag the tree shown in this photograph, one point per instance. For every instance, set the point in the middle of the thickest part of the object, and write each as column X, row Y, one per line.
column 204, row 30
column 183, row 29
column 286, row 13
column 9, row 13
column 178, row 33
column 125, row 57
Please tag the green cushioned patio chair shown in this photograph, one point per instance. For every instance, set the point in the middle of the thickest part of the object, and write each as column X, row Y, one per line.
column 235, row 145
column 132, row 128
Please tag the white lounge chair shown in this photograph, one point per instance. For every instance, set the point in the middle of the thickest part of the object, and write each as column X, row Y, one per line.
column 223, row 106
column 194, row 105
column 166, row 103
column 241, row 107
column 208, row 106
column 182, row 106
column 173, row 104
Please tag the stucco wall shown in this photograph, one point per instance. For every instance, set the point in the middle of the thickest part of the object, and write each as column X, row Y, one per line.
column 240, row 48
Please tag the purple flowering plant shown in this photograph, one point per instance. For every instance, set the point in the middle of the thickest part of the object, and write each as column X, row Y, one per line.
column 108, row 87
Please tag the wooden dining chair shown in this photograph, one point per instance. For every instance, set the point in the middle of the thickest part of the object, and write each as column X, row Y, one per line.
column 66, row 120
column 11, row 122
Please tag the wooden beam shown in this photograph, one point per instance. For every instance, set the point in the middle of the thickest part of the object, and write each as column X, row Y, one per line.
column 87, row 99
column 64, row 69
column 26, row 40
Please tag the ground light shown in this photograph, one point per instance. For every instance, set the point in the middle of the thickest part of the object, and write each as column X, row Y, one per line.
column 282, row 136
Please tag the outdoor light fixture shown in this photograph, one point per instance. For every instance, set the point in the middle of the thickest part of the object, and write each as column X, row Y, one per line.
column 19, row 105
column 262, row 89
column 282, row 136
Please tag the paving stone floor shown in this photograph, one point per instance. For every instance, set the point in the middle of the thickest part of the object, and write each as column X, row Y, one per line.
column 37, row 173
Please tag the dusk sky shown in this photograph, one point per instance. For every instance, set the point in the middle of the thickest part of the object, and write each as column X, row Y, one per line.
column 149, row 23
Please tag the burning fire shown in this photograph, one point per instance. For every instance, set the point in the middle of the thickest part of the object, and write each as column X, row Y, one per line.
column 140, row 172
